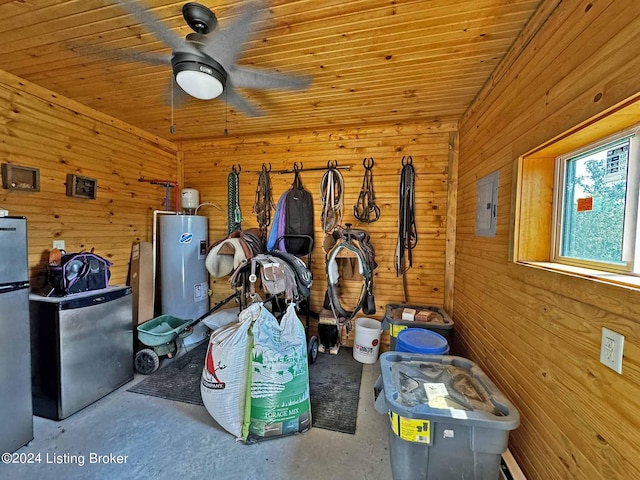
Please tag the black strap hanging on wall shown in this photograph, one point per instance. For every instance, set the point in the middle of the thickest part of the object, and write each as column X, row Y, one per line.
column 407, row 233
column 264, row 200
column 366, row 209
column 234, row 215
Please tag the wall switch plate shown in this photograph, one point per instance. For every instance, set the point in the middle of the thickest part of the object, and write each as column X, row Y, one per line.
column 611, row 348
column 59, row 244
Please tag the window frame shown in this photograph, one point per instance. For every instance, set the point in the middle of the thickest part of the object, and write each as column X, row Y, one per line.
column 630, row 247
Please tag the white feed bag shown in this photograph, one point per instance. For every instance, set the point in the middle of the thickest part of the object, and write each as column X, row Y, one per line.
column 224, row 376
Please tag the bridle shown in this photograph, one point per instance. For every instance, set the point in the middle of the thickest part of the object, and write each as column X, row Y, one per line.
column 331, row 193
column 407, row 232
column 366, row 209
column 264, row 200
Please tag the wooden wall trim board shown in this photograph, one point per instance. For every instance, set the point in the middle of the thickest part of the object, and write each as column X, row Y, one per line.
column 58, row 136
column 537, row 332
column 452, row 204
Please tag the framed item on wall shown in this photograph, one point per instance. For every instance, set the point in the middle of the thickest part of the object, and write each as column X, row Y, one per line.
column 81, row 187
column 16, row 177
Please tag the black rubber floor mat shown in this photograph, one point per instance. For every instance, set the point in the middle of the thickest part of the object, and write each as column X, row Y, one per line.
column 179, row 381
column 334, row 381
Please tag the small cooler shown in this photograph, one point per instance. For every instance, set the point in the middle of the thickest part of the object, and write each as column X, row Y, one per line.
column 447, row 419
column 428, row 317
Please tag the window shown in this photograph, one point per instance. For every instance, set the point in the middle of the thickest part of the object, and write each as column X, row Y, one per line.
column 577, row 197
column 596, row 204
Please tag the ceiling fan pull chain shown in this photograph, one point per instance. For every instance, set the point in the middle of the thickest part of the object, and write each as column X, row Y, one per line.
column 172, row 128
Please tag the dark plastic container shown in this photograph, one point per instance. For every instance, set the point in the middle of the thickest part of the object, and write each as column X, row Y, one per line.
column 419, row 340
column 447, row 418
column 393, row 322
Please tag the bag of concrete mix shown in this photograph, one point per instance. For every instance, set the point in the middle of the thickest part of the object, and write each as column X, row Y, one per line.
column 278, row 400
column 223, row 384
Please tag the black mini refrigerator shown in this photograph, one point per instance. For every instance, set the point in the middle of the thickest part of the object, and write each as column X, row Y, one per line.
column 82, row 349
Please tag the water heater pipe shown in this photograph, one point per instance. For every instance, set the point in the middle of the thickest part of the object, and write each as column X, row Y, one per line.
column 167, row 184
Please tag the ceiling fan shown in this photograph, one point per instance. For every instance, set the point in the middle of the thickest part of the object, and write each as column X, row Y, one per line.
column 204, row 63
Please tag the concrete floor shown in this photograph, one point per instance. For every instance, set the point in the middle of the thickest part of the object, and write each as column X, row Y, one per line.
column 162, row 439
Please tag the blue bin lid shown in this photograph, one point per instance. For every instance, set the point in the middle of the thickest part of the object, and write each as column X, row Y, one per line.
column 419, row 340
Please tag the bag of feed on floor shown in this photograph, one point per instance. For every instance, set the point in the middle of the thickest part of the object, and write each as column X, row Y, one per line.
column 223, row 384
column 278, row 400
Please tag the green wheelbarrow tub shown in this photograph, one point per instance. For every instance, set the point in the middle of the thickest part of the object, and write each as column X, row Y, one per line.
column 162, row 329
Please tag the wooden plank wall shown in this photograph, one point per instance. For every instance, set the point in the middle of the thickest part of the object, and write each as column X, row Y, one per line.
column 537, row 333
column 58, row 136
column 208, row 163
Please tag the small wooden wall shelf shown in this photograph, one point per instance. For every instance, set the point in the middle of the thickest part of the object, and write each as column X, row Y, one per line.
column 16, row 177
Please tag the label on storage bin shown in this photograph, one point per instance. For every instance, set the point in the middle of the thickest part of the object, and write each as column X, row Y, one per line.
column 394, row 330
column 411, row 429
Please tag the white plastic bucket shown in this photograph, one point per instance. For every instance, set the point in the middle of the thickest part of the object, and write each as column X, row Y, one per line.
column 366, row 342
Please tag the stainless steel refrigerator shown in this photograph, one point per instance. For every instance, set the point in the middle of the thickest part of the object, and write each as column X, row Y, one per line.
column 16, row 417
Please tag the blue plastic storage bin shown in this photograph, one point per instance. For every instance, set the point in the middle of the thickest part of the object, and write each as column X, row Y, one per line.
column 447, row 418
column 419, row 340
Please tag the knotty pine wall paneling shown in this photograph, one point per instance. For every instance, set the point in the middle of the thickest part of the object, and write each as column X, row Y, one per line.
column 537, row 333
column 208, row 163
column 40, row 129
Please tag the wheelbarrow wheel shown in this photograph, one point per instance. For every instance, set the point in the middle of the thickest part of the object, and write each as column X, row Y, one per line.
column 146, row 361
column 312, row 350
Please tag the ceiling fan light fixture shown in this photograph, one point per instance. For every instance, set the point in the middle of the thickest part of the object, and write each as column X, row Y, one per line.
column 199, row 79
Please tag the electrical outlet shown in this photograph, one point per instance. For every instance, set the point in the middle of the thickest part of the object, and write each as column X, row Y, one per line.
column 611, row 348
column 59, row 244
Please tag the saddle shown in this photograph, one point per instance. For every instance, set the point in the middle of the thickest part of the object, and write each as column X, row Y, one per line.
column 277, row 275
column 227, row 254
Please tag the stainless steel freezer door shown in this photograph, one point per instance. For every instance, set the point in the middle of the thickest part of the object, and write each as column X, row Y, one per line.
column 13, row 250
column 15, row 371
column 96, row 352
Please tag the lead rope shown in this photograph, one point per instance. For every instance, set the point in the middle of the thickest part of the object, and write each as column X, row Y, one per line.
column 407, row 233
column 234, row 215
column 366, row 209
column 264, row 200
column 331, row 192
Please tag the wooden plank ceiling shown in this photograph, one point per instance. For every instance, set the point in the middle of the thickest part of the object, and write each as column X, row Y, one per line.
column 372, row 61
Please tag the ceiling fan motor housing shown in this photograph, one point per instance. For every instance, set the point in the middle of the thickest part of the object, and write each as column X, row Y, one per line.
column 199, row 76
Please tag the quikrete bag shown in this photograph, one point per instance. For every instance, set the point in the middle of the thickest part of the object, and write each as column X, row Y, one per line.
column 79, row 272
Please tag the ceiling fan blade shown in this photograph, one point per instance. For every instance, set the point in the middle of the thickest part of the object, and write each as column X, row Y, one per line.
column 120, row 53
column 245, row 77
column 225, row 44
column 139, row 10
column 241, row 103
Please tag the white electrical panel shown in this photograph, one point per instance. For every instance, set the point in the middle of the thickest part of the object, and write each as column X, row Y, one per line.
column 487, row 206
